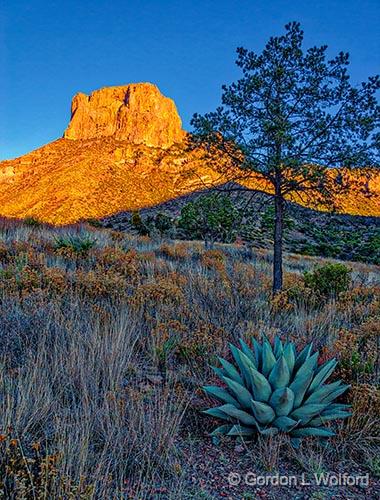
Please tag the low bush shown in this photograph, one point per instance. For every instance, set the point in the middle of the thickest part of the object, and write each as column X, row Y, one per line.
column 76, row 244
column 329, row 280
column 32, row 222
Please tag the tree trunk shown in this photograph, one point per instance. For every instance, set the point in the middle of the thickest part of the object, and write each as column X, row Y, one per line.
column 278, row 230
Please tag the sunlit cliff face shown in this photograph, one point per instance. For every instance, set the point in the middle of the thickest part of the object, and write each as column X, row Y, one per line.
column 137, row 113
column 124, row 149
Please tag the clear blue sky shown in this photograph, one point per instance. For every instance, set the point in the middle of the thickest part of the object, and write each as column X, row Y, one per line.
column 51, row 49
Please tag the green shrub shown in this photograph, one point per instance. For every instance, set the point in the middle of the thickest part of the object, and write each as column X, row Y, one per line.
column 210, row 218
column 268, row 219
column 163, row 223
column 329, row 280
column 94, row 222
column 32, row 222
column 139, row 225
column 79, row 244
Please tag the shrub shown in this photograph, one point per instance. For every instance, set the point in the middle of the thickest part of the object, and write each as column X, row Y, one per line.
column 209, row 218
column 213, row 259
column 329, row 280
column 176, row 251
column 139, row 225
column 76, row 244
column 28, row 472
column 32, row 222
column 163, row 223
column 94, row 222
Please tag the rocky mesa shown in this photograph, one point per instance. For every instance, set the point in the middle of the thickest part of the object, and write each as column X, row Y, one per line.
column 123, row 149
column 137, row 113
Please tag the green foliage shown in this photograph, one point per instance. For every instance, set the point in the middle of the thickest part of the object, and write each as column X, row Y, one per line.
column 150, row 225
column 139, row 225
column 370, row 249
column 268, row 217
column 329, row 280
column 78, row 244
column 272, row 388
column 356, row 366
column 210, row 218
column 351, row 238
column 94, row 222
column 32, row 222
column 163, row 223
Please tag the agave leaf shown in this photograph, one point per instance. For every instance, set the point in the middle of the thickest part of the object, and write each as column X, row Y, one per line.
column 217, row 413
column 338, row 406
column 222, row 429
column 333, row 395
column 312, row 431
column 264, row 413
column 236, row 355
column 322, row 375
column 257, row 349
column 299, row 387
column 308, row 365
column 260, row 386
column 244, row 417
column 240, row 430
column 248, row 352
column 303, row 356
column 323, row 418
column 247, row 364
column 279, row 376
column 278, row 347
column 282, row 401
column 257, row 382
column 219, row 372
column 307, row 412
column 333, row 411
column 231, row 371
column 290, row 356
column 269, row 431
column 295, row 442
column 220, row 393
column 240, row 392
column 322, row 392
column 285, row 423
column 268, row 358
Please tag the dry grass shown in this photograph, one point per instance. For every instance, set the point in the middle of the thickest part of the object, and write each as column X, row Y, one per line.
column 103, row 353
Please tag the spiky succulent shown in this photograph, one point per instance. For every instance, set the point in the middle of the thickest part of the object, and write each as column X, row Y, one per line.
column 274, row 388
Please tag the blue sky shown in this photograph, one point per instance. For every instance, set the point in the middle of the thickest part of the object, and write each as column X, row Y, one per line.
column 49, row 50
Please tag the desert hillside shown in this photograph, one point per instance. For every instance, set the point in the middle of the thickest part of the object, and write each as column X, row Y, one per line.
column 124, row 149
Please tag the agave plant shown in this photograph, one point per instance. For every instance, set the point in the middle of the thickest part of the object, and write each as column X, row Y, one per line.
column 273, row 389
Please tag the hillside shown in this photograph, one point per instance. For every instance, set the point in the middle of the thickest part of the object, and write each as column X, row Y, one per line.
column 307, row 231
column 124, row 149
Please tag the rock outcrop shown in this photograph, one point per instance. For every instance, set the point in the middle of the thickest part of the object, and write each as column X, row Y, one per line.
column 137, row 113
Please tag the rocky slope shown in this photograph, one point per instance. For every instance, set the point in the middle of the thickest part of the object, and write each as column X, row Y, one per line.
column 124, row 149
